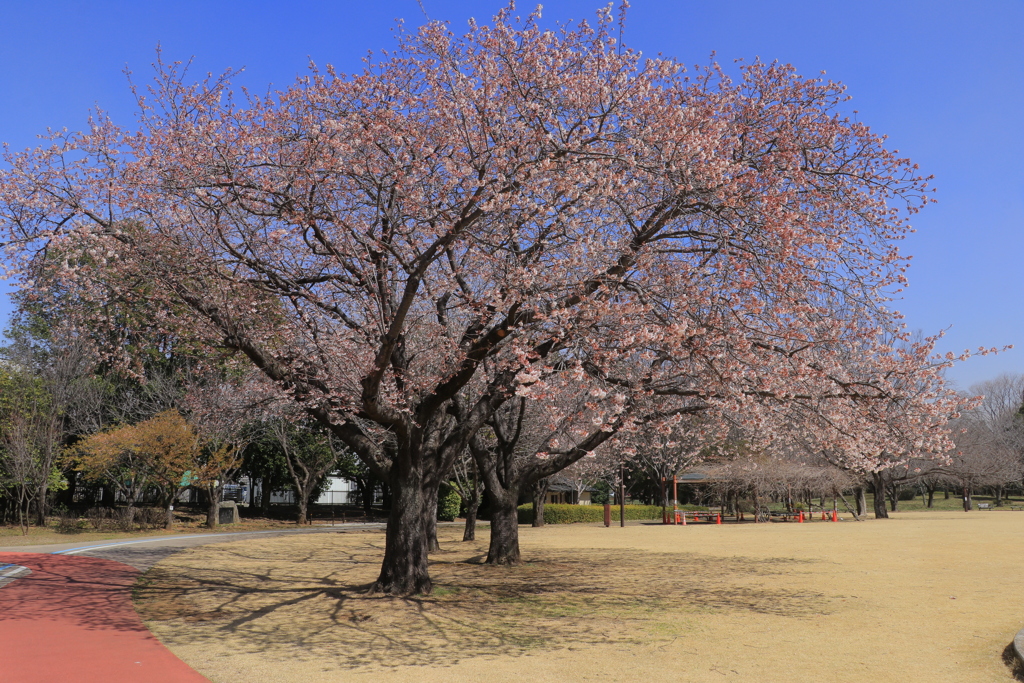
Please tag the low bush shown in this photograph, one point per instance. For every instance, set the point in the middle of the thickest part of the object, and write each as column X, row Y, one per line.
column 448, row 504
column 907, row 493
column 119, row 519
column 67, row 520
column 572, row 514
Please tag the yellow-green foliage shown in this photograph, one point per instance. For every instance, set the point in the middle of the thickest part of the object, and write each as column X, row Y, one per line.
column 448, row 503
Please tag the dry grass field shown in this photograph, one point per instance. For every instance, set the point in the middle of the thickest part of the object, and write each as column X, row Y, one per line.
column 930, row 596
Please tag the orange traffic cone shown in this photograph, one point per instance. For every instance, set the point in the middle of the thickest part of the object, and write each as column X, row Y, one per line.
column 835, row 516
column 801, row 517
column 684, row 518
column 718, row 518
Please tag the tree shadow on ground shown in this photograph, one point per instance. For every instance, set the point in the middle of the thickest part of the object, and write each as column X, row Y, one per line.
column 307, row 598
column 88, row 592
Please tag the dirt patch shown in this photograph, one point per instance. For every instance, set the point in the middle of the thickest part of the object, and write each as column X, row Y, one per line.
column 934, row 597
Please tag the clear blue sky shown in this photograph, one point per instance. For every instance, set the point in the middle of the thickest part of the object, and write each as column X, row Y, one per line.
column 945, row 81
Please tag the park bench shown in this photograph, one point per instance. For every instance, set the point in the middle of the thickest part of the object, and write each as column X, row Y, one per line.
column 984, row 506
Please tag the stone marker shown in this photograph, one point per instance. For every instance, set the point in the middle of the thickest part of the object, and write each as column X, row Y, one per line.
column 227, row 512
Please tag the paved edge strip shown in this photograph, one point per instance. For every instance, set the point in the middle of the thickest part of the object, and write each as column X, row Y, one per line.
column 73, row 551
column 10, row 572
column 1018, row 645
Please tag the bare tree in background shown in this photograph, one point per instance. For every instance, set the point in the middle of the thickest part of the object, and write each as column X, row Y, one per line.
column 310, row 454
column 223, row 411
column 467, row 483
column 51, row 388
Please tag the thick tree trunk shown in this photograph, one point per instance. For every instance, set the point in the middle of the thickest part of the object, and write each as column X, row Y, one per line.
column 931, row 498
column 879, row 485
column 404, row 569
column 999, row 496
column 968, row 501
column 504, row 546
column 265, row 486
column 303, row 503
column 169, row 510
column 540, row 494
column 212, row 508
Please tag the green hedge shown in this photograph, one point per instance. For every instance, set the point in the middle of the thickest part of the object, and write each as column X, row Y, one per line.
column 448, row 504
column 571, row 514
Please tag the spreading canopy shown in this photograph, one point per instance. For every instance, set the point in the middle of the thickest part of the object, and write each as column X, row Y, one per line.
column 514, row 211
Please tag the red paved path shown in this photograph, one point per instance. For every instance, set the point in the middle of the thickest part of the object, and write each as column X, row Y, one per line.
column 72, row 620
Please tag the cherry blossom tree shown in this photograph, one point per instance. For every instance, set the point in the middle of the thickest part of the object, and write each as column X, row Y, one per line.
column 223, row 406
column 514, row 213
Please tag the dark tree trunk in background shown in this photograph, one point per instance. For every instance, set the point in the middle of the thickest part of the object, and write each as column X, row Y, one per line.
column 41, row 503
column 878, row 483
column 264, row 497
column 945, row 492
column 430, row 518
column 999, row 496
column 931, row 497
column 540, row 494
column 894, row 497
column 472, row 508
column 69, row 494
column 968, row 501
column 368, row 492
column 303, row 503
column 862, row 501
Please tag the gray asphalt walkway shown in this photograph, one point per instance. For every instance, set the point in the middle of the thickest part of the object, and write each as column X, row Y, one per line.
column 143, row 553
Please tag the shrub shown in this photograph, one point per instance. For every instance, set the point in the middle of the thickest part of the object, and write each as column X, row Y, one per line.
column 67, row 521
column 150, row 517
column 448, row 504
column 572, row 514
